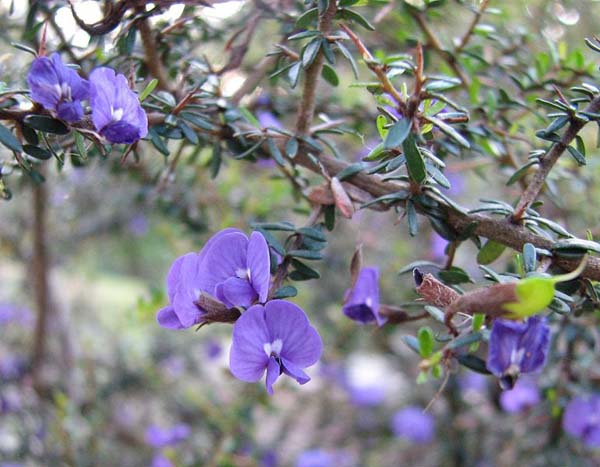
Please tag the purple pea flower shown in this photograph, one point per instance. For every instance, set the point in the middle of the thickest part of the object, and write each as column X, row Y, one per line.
column 160, row 460
column 316, row 458
column 516, row 348
column 276, row 337
column 412, row 424
column 158, row 437
column 581, row 419
column 116, row 110
column 522, row 396
column 57, row 88
column 362, row 302
column 230, row 267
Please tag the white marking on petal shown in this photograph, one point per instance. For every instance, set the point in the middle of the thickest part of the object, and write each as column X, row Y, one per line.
column 369, row 302
column 242, row 273
column 273, row 348
column 65, row 91
column 117, row 114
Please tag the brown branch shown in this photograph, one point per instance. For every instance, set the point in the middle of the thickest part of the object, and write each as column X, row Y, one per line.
column 151, row 58
column 548, row 161
column 306, row 110
column 469, row 33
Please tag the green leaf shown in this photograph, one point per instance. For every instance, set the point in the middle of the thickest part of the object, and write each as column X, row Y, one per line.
column 188, row 132
column 291, row 147
column 378, row 152
column 313, row 233
column 346, row 53
column 351, row 170
column 454, row 275
column 426, row 341
column 277, row 226
column 329, row 74
column 529, row 257
column 271, row 240
column 310, row 51
column 577, row 155
column 329, row 217
column 411, row 216
column 414, row 160
column 306, row 18
column 397, row 134
column 305, row 254
column 449, row 131
column 9, row 140
column 472, row 362
column 490, row 252
column 521, row 172
column 196, row 119
column 285, row 292
column 412, row 342
column 37, row 152
column 80, row 143
column 215, row 160
column 46, row 124
column 305, row 271
column 158, row 143
column 357, row 18
column 478, row 320
column 294, row 74
column 275, row 152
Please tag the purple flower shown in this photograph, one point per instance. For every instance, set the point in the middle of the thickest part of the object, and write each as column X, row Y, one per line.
column 230, row 267
column 267, row 119
column 158, row 437
column 316, row 458
column 362, row 303
column 116, row 110
column 138, row 225
column 522, row 396
column 159, row 460
column 516, row 348
column 10, row 313
column 57, row 88
column 412, row 424
column 581, row 419
column 276, row 337
column 212, row 349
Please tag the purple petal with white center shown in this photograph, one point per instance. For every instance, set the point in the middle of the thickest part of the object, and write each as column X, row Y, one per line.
column 79, row 88
column 248, row 358
column 259, row 264
column 301, row 344
column 503, row 344
column 43, row 83
column 362, row 303
column 167, row 318
column 273, row 372
column 238, row 292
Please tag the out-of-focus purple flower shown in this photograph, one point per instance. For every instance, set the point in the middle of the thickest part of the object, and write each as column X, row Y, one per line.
column 212, row 349
column 457, row 183
column 269, row 459
column 116, row 110
column 160, row 460
column 316, row 458
column 230, row 267
column 581, row 419
column 57, row 88
column 138, row 225
column 267, row 119
column 12, row 367
column 158, row 437
column 367, row 396
column 412, row 424
column 10, row 313
column 516, row 348
column 522, row 396
column 437, row 246
column 472, row 382
column 362, row 303
column 276, row 337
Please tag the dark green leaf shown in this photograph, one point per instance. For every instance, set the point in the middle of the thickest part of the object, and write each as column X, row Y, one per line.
column 46, row 124
column 454, row 275
column 285, row 292
column 449, row 131
column 215, row 160
column 158, row 143
column 414, row 160
column 465, row 340
column 30, row 135
column 188, row 132
column 313, row 233
column 578, row 156
column 277, row 226
column 305, row 254
column 294, row 74
column 291, row 147
column 472, row 362
column 306, row 18
column 310, row 51
column 529, row 257
column 391, row 197
column 490, row 252
column 329, row 217
column 271, row 240
column 411, row 215
column 520, row 173
column 275, row 152
column 329, row 74
column 357, row 18
column 346, row 53
column 412, row 342
column 37, row 152
column 80, row 143
column 306, row 271
column 196, row 119
column 350, row 171
column 397, row 134
column 575, row 243
column 9, row 140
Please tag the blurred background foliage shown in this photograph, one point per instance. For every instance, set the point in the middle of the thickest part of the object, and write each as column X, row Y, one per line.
column 114, row 228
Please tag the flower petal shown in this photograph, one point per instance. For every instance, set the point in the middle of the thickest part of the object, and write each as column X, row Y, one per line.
column 504, row 340
column 102, row 95
column 259, row 264
column 535, row 342
column 273, row 372
column 224, row 259
column 247, row 358
column 238, row 292
column 168, row 319
column 363, row 299
column 69, row 111
column 301, row 343
column 294, row 371
column 43, row 83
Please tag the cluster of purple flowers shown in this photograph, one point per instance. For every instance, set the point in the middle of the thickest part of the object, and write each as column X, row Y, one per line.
column 271, row 335
column 160, row 438
column 115, row 109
